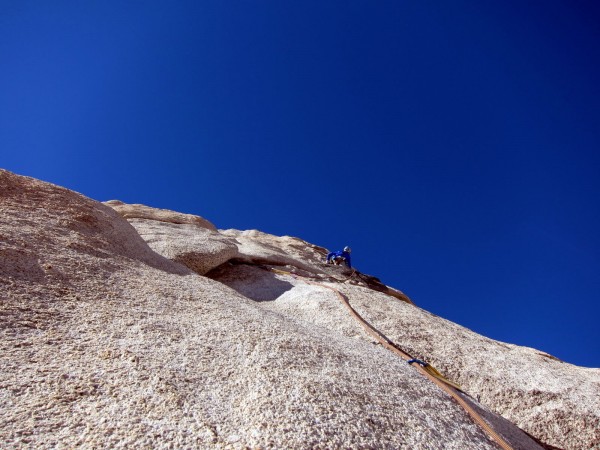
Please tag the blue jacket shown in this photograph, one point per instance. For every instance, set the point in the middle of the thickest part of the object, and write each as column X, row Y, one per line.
column 341, row 253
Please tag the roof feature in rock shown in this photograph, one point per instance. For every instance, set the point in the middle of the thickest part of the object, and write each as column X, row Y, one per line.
column 199, row 249
column 138, row 211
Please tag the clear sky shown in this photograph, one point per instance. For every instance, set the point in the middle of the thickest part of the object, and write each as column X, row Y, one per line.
column 454, row 145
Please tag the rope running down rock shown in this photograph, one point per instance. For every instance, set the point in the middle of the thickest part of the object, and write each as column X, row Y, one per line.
column 425, row 369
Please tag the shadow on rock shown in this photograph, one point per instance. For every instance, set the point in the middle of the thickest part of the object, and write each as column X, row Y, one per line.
column 252, row 282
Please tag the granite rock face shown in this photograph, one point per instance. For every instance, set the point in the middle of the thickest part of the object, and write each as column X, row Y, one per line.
column 184, row 238
column 556, row 402
column 257, row 247
column 127, row 326
column 138, row 211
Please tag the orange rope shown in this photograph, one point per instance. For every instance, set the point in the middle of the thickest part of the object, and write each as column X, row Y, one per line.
column 448, row 386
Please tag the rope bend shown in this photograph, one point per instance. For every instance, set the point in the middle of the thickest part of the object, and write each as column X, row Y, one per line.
column 423, row 367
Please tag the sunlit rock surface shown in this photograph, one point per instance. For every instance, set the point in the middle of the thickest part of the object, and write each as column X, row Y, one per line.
column 127, row 326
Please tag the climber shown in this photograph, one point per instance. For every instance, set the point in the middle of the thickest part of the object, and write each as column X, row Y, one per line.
column 340, row 257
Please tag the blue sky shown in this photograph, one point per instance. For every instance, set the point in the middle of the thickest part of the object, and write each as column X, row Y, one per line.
column 454, row 145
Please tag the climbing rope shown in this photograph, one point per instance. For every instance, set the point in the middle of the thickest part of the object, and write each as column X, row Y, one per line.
column 424, row 368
